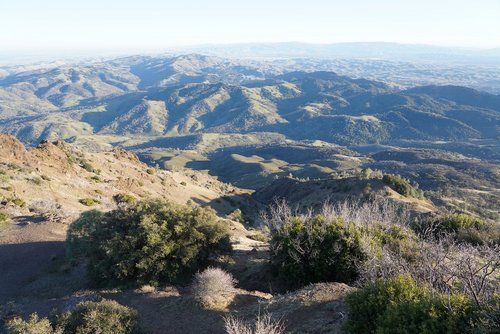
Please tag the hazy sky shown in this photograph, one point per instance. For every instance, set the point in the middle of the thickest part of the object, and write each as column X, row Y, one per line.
column 153, row 24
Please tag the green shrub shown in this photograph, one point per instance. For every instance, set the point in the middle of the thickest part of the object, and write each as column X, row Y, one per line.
column 151, row 171
column 96, row 178
column 89, row 201
column 88, row 167
column 148, row 243
column 124, row 199
column 106, row 317
column 4, row 219
column 34, row 325
column 308, row 250
column 36, row 180
column 237, row 215
column 401, row 185
column 463, row 227
column 400, row 305
column 398, row 239
column 18, row 201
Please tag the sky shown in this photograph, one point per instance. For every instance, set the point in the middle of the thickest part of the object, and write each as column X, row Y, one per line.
column 153, row 25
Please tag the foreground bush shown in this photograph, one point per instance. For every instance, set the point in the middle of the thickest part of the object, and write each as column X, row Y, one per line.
column 400, row 305
column 213, row 288
column 104, row 317
column 147, row 243
column 313, row 249
column 34, row 325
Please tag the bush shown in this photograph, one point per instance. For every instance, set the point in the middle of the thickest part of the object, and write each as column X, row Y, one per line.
column 237, row 216
column 262, row 325
column 104, row 317
column 148, row 243
column 151, row 171
column 88, row 167
column 462, row 227
column 213, row 288
column 89, row 201
column 313, row 249
column 124, row 199
column 4, row 220
column 34, row 325
column 400, row 305
column 18, row 201
column 401, row 185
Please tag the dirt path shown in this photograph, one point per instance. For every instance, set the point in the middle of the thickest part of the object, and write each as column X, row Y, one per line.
column 25, row 253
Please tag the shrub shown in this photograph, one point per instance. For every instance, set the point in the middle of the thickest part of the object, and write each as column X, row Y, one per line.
column 106, row 317
column 263, row 325
column 151, row 171
column 401, row 185
column 400, row 305
column 89, row 201
column 124, row 199
column 394, row 238
column 462, row 227
column 4, row 220
column 312, row 249
column 237, row 215
column 36, row 180
column 88, row 167
column 18, row 201
column 34, row 325
column 213, row 288
column 183, row 183
column 147, row 243
column 95, row 178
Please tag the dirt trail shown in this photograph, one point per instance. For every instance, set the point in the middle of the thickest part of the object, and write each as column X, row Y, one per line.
column 25, row 254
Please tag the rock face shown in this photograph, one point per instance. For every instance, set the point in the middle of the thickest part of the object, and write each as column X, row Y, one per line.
column 11, row 148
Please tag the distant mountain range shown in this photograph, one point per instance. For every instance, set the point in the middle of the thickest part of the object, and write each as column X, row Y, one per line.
column 194, row 94
column 252, row 122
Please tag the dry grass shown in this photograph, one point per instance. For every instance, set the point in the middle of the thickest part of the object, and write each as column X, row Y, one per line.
column 262, row 325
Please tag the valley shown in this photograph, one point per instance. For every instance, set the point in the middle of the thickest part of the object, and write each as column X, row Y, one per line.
column 299, row 182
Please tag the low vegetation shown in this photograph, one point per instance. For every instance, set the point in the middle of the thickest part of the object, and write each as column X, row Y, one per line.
column 123, row 198
column 4, row 219
column 213, row 288
column 151, row 242
column 336, row 245
column 460, row 226
column 400, row 305
column 401, row 186
column 263, row 324
column 316, row 249
column 106, row 317
column 89, row 201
